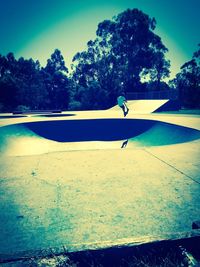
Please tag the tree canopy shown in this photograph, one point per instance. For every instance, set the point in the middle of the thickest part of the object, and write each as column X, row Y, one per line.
column 126, row 56
column 126, row 49
column 188, row 82
column 25, row 85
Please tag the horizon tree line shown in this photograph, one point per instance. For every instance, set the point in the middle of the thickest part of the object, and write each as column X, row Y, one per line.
column 126, row 56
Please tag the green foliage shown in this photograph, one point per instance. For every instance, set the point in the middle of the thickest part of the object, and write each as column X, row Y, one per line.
column 7, row 82
column 125, row 50
column 153, row 86
column 92, row 97
column 22, row 108
column 56, row 63
column 57, row 82
column 74, row 105
column 188, row 82
column 23, row 83
column 1, row 107
column 126, row 56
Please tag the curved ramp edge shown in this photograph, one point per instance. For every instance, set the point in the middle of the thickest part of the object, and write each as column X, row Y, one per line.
column 45, row 137
column 143, row 106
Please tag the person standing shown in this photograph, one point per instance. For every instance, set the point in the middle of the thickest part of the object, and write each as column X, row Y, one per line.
column 121, row 101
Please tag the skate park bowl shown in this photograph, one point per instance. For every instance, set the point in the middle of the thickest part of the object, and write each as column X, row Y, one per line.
column 40, row 137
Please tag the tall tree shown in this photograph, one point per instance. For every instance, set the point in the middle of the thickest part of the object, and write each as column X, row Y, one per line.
column 56, row 63
column 57, row 82
column 21, row 84
column 31, row 91
column 125, row 49
column 188, row 82
column 8, row 82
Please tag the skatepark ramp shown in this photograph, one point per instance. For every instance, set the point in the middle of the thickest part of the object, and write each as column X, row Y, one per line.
column 143, row 106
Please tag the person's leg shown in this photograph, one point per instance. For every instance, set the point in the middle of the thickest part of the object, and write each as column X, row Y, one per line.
column 127, row 109
column 123, row 108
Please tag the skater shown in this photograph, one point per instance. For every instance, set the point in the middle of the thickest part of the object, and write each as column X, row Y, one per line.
column 121, row 101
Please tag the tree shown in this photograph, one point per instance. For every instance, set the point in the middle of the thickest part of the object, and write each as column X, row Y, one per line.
column 21, row 84
column 56, row 81
column 126, row 49
column 31, row 91
column 8, row 83
column 135, row 46
column 92, row 97
column 93, row 68
column 188, row 82
column 56, row 63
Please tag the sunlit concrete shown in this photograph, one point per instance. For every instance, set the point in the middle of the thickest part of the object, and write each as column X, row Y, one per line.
column 74, row 198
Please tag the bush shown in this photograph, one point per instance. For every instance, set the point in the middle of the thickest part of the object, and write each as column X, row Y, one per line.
column 75, row 105
column 22, row 108
column 1, row 107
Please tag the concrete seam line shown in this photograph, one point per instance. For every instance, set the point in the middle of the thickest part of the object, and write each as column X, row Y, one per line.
column 172, row 166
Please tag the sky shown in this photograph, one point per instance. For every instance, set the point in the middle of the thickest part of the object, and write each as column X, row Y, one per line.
column 35, row 28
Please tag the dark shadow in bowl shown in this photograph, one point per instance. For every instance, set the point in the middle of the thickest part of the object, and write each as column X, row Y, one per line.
column 11, row 117
column 54, row 115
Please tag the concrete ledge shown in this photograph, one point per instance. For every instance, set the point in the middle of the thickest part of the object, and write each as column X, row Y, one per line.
column 179, row 237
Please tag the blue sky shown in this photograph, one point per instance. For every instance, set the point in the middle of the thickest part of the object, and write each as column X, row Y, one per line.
column 34, row 28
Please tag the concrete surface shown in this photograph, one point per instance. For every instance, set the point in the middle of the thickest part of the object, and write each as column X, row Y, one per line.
column 74, row 198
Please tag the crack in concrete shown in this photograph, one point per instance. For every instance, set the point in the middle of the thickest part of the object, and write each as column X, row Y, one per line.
column 188, row 176
column 34, row 175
